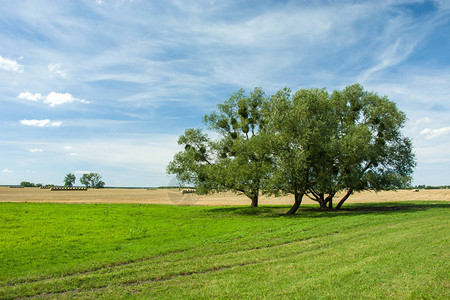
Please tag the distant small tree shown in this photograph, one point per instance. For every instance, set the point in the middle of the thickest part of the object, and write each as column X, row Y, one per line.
column 27, row 184
column 86, row 179
column 69, row 180
column 92, row 180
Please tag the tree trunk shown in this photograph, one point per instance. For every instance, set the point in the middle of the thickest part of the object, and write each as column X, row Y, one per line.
column 349, row 192
column 321, row 200
column 297, row 201
column 323, row 204
column 254, row 201
column 329, row 200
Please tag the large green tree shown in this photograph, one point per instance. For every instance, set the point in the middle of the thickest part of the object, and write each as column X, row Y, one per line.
column 347, row 141
column 311, row 143
column 238, row 159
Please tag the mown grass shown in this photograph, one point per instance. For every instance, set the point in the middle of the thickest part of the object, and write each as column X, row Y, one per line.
column 386, row 250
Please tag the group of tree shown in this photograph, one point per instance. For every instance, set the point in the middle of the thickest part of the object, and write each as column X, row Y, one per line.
column 90, row 180
column 29, row 184
column 309, row 143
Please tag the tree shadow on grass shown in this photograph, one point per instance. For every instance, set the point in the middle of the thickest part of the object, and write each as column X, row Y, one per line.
column 312, row 211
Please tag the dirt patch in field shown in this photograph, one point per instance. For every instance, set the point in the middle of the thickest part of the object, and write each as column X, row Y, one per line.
column 175, row 197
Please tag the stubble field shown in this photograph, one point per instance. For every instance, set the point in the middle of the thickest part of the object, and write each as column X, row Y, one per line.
column 174, row 196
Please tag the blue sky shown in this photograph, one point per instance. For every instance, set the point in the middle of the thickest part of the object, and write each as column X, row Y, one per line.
column 108, row 86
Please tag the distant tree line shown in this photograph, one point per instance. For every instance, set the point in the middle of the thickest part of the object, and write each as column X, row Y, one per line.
column 310, row 143
column 430, row 187
column 90, row 180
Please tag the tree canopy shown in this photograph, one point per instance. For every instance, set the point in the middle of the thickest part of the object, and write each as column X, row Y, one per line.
column 69, row 180
column 310, row 142
column 237, row 160
column 348, row 140
column 92, row 180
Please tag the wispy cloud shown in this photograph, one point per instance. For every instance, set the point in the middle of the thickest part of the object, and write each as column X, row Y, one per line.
column 52, row 99
column 82, row 172
column 30, row 96
column 390, row 56
column 41, row 123
column 56, row 70
column 435, row 133
column 10, row 65
column 7, row 171
column 34, row 150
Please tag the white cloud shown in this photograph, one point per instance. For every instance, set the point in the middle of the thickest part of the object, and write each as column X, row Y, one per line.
column 73, row 154
column 41, row 123
column 434, row 133
column 30, row 96
column 82, row 172
column 10, row 65
column 55, row 70
column 422, row 121
column 6, row 171
column 67, row 147
column 52, row 99
column 34, row 150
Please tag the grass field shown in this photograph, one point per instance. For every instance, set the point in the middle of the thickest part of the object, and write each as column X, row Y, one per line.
column 373, row 250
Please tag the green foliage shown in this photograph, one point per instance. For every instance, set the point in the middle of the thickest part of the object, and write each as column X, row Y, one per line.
column 27, row 184
column 238, row 160
column 326, row 143
column 69, row 180
column 311, row 143
column 385, row 250
column 92, row 180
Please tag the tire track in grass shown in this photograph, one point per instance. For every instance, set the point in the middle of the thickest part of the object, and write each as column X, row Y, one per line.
column 132, row 267
column 110, row 266
column 172, row 275
column 258, row 261
column 123, row 266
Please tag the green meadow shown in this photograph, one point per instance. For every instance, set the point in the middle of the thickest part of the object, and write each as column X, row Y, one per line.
column 113, row 251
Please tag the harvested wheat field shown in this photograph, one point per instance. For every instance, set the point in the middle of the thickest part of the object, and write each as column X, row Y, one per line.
column 174, row 196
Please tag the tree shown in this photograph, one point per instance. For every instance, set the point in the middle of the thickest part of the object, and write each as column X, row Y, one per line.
column 92, row 180
column 288, row 123
column 237, row 160
column 310, row 143
column 69, row 180
column 27, row 184
column 347, row 141
column 86, row 179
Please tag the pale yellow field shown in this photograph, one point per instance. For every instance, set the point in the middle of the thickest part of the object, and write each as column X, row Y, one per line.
column 174, row 196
